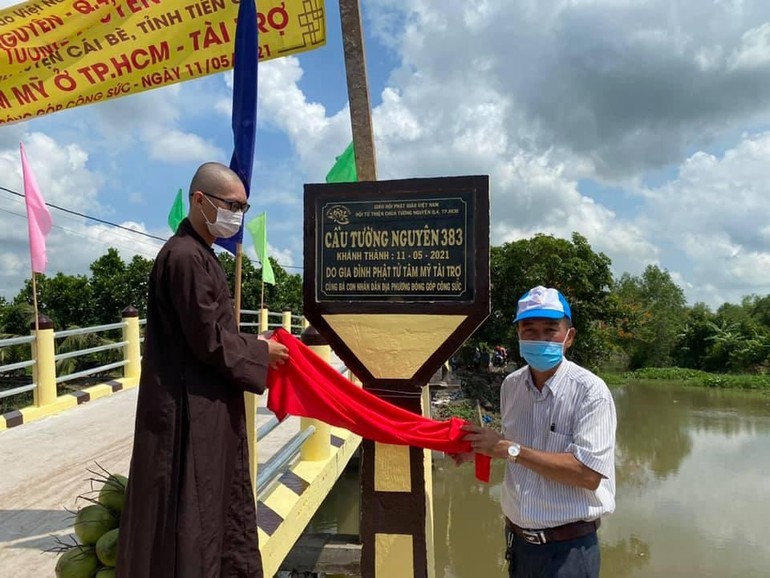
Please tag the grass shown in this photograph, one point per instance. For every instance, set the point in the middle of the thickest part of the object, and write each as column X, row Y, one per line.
column 691, row 377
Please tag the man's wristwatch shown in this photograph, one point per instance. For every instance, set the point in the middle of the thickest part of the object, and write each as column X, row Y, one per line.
column 513, row 452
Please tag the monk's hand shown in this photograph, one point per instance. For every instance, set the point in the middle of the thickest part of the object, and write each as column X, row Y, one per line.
column 463, row 458
column 277, row 353
column 483, row 440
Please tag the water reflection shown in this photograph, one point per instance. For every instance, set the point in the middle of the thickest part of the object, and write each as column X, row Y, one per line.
column 653, row 437
column 693, row 492
column 624, row 557
column 468, row 523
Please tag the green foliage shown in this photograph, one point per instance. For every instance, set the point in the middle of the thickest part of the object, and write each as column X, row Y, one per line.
column 285, row 294
column 583, row 276
column 65, row 299
column 691, row 347
column 688, row 376
column 737, row 381
column 115, row 285
column 80, row 301
column 654, row 309
column 668, row 373
column 15, row 320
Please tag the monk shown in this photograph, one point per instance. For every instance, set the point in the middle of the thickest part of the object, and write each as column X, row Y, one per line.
column 190, row 510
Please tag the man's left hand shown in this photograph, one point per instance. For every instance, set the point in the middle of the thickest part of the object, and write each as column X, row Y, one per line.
column 483, row 440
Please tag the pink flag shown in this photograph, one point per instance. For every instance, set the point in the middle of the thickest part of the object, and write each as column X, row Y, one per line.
column 38, row 217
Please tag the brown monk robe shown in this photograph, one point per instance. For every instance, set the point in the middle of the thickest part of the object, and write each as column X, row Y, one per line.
column 189, row 507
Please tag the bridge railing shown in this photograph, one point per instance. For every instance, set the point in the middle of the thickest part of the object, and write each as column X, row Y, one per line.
column 45, row 369
column 264, row 320
column 13, row 367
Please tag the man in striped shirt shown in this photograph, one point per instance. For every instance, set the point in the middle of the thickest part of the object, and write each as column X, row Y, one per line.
column 558, row 437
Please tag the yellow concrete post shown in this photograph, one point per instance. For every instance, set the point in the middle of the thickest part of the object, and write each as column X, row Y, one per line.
column 305, row 322
column 44, row 370
column 318, row 446
column 286, row 320
column 263, row 320
column 132, row 352
column 250, row 400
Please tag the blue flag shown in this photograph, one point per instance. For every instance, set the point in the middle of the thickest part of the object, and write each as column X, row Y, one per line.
column 244, row 103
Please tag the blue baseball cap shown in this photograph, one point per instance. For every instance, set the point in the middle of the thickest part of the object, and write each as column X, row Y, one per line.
column 542, row 302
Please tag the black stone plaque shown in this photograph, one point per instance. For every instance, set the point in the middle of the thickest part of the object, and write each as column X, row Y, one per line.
column 398, row 246
column 412, row 246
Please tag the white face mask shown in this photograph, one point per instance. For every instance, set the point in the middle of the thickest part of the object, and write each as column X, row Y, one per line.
column 227, row 223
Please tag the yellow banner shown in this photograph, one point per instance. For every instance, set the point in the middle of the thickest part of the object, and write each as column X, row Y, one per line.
column 57, row 54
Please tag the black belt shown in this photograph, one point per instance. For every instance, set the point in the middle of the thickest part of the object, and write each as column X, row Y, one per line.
column 570, row 531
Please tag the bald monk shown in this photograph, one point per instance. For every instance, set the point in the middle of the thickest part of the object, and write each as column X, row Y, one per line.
column 190, row 510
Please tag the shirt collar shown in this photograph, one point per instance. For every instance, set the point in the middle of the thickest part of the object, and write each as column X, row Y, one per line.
column 552, row 384
column 187, row 230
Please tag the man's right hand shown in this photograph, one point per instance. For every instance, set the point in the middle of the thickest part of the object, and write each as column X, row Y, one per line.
column 277, row 353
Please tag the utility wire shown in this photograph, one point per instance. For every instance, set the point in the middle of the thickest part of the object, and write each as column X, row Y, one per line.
column 98, row 220
column 119, row 235
column 109, row 223
column 79, row 234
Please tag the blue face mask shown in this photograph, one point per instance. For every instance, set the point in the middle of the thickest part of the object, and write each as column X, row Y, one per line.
column 542, row 355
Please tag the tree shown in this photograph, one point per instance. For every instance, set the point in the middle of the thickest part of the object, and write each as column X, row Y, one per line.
column 65, row 299
column 115, row 285
column 285, row 294
column 583, row 276
column 692, row 344
column 655, row 307
column 287, row 291
column 759, row 309
column 737, row 342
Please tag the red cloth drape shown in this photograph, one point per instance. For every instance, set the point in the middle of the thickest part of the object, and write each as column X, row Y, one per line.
column 307, row 386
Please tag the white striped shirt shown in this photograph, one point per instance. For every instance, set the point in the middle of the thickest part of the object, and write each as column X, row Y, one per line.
column 575, row 413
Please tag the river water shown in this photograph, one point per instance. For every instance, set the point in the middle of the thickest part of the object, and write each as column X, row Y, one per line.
column 693, row 493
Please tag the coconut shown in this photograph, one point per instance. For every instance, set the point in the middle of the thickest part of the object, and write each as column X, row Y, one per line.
column 77, row 562
column 113, row 493
column 92, row 522
column 107, row 548
column 105, row 573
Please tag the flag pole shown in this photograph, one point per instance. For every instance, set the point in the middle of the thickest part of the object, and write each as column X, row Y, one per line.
column 249, row 399
column 34, row 304
column 237, row 288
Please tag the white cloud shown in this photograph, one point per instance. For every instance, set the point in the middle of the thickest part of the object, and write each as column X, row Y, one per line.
column 714, row 215
column 754, row 51
column 60, row 171
column 175, row 146
column 316, row 137
column 65, row 180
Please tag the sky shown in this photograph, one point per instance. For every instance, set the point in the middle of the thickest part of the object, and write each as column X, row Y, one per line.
column 644, row 125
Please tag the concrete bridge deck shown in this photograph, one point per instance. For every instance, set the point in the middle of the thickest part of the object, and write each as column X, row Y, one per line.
column 44, row 468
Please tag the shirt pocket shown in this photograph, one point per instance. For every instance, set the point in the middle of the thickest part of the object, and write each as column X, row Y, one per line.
column 557, row 443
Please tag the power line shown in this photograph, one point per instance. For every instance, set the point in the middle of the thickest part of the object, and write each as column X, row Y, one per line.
column 98, row 220
column 119, row 235
column 79, row 234
column 109, row 223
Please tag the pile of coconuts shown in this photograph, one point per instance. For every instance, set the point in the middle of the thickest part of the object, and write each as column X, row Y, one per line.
column 95, row 553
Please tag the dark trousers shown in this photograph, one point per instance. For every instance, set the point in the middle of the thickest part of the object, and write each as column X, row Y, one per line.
column 577, row 558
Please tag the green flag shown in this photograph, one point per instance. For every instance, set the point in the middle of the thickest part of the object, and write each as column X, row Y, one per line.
column 344, row 169
column 176, row 214
column 258, row 229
